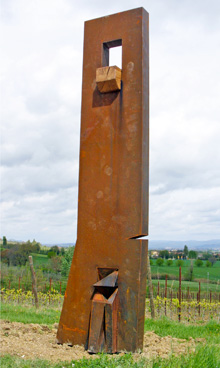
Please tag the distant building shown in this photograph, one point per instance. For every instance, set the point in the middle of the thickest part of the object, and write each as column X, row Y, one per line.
column 154, row 254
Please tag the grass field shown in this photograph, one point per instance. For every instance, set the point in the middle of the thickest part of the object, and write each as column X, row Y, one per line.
column 193, row 286
column 208, row 276
column 164, row 327
column 26, row 314
column 206, row 355
column 40, row 259
column 211, row 273
column 205, row 273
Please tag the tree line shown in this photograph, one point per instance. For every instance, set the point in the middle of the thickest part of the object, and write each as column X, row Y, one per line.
column 179, row 262
column 16, row 254
column 187, row 254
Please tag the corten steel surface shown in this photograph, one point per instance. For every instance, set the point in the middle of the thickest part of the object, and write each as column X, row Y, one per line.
column 109, row 264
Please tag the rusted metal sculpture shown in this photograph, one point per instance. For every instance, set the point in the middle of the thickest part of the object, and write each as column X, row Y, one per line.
column 104, row 302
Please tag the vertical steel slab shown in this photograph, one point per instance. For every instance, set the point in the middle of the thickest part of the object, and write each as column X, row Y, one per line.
column 113, row 181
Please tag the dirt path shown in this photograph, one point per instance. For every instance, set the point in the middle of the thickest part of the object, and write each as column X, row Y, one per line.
column 31, row 341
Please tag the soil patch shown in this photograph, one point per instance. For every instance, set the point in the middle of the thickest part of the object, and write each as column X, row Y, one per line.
column 31, row 341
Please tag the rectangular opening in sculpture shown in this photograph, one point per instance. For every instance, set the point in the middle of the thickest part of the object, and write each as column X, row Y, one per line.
column 112, row 53
column 115, row 56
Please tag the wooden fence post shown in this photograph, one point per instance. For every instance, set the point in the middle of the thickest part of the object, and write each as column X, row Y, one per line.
column 199, row 296
column 158, row 294
column 188, row 302
column 180, row 294
column 34, row 283
column 151, row 293
column 165, row 307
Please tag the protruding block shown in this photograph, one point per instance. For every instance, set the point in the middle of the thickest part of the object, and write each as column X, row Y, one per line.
column 108, row 79
column 109, row 280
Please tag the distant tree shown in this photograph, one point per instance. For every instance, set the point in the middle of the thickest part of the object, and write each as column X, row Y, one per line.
column 5, row 256
column 4, row 241
column 199, row 263
column 62, row 251
column 66, row 261
column 51, row 254
column 206, row 255
column 19, row 257
column 212, row 260
column 189, row 275
column 160, row 261
column 179, row 263
column 17, row 253
column 164, row 254
column 38, row 247
column 55, row 249
column 185, row 251
column 56, row 263
column 35, row 247
column 169, row 262
column 192, row 254
column 208, row 264
column 15, row 256
column 28, row 247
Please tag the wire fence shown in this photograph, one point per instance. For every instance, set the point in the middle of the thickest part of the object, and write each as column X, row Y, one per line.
column 164, row 291
column 191, row 305
column 44, row 286
column 168, row 301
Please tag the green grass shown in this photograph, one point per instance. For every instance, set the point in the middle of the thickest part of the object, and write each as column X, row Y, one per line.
column 198, row 272
column 40, row 259
column 25, row 314
column 206, row 356
column 193, row 286
column 164, row 327
column 103, row 361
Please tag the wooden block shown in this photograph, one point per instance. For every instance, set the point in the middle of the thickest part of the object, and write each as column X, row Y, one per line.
column 108, row 79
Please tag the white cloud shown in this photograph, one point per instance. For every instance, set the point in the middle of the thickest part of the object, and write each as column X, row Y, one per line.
column 41, row 76
column 186, row 214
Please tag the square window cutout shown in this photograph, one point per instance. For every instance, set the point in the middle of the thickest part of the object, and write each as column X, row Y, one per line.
column 112, row 53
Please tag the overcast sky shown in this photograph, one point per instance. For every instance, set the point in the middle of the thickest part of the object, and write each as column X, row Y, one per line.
column 41, row 74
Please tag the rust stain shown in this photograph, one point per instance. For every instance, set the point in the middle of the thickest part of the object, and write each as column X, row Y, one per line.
column 78, row 330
